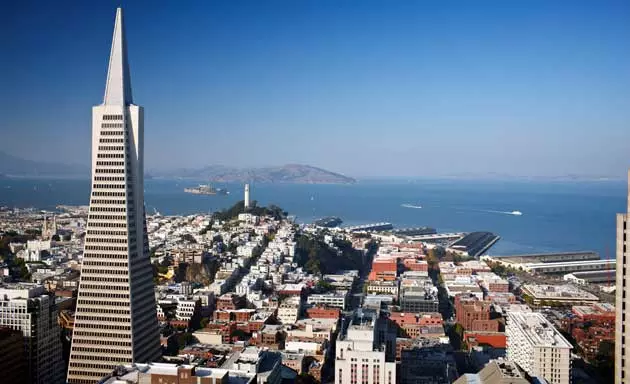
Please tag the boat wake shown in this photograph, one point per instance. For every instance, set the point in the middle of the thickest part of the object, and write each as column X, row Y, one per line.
column 513, row 213
column 411, row 206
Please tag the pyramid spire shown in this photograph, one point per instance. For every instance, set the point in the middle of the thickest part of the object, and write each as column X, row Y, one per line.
column 118, row 87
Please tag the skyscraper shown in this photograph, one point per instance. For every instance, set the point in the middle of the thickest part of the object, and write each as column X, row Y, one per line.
column 115, row 320
column 27, row 308
column 622, row 304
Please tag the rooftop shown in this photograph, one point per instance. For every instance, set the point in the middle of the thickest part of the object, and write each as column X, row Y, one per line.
column 537, row 329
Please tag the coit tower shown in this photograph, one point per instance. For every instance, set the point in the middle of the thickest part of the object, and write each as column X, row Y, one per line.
column 115, row 320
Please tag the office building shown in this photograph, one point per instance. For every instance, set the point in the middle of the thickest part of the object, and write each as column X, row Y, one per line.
column 537, row 347
column 115, row 321
column 360, row 358
column 27, row 308
column 622, row 304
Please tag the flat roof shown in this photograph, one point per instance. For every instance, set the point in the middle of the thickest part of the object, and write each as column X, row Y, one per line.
column 537, row 329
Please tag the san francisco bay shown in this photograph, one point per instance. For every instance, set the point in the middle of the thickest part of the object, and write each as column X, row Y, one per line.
column 556, row 216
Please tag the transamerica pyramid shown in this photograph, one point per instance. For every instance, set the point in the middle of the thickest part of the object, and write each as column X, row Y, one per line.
column 115, row 320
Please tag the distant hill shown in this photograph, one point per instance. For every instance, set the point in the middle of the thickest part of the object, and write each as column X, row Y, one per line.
column 291, row 173
column 16, row 166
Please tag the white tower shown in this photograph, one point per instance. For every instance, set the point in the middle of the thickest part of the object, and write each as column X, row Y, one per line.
column 116, row 321
column 246, row 196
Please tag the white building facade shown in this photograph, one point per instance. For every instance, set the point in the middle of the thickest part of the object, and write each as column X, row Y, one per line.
column 359, row 360
column 622, row 304
column 537, row 347
column 115, row 320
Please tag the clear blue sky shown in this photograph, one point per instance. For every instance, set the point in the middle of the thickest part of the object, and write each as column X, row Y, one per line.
column 367, row 88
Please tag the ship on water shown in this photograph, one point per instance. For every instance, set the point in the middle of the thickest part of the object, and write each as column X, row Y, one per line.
column 328, row 222
column 206, row 189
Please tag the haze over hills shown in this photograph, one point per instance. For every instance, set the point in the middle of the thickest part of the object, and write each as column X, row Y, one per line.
column 15, row 166
column 290, row 173
column 293, row 173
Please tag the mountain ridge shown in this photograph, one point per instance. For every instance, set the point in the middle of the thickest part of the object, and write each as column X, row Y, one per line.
column 291, row 173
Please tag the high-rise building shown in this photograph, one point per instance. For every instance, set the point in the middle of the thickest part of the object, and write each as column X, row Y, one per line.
column 537, row 347
column 27, row 308
column 622, row 305
column 115, row 321
column 360, row 358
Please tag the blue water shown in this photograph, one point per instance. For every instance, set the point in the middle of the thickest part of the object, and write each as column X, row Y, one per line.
column 556, row 216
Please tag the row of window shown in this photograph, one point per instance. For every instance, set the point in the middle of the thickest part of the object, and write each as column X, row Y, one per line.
column 112, row 117
column 104, row 280
column 109, row 194
column 106, row 217
column 104, row 248
column 106, row 240
column 107, row 233
column 100, row 201
column 109, row 186
column 110, row 178
column 110, row 170
column 97, row 334
column 112, row 141
column 109, row 287
column 108, row 225
column 123, row 319
column 112, row 133
column 107, row 209
column 111, row 163
column 110, row 155
column 102, row 342
column 111, row 125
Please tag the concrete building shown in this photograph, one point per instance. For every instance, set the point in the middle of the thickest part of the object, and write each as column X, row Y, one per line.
column 116, row 321
column 622, row 303
column 337, row 300
column 12, row 357
column 359, row 357
column 246, row 199
column 537, row 347
column 28, row 309
column 496, row 372
column 540, row 294
column 289, row 310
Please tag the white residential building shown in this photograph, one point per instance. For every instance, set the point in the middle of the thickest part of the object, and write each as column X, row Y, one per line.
column 537, row 347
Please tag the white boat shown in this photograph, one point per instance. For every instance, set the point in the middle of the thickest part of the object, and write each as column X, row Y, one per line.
column 516, row 213
column 411, row 206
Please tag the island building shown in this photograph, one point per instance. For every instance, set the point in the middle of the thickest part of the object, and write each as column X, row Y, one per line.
column 246, row 198
column 622, row 303
column 29, row 310
column 537, row 347
column 115, row 321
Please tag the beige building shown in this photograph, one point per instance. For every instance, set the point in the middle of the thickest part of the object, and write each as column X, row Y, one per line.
column 116, row 321
column 360, row 359
column 622, row 305
column 537, row 347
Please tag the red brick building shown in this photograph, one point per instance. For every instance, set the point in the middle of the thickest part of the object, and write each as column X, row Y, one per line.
column 323, row 313
column 474, row 315
column 494, row 339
